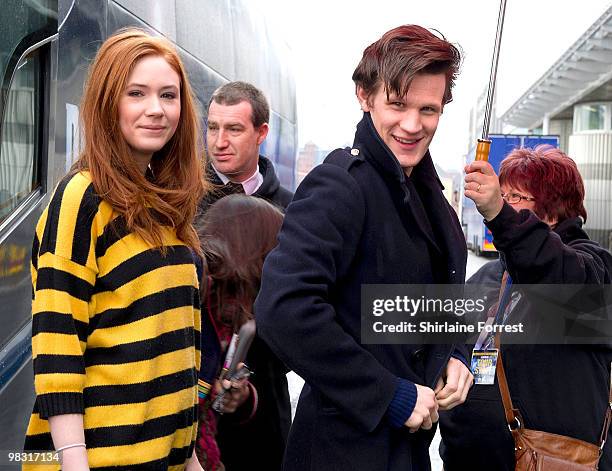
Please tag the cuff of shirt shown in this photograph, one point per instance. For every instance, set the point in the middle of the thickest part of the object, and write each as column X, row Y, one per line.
column 402, row 404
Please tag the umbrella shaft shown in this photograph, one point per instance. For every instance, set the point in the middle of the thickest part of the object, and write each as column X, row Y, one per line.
column 493, row 76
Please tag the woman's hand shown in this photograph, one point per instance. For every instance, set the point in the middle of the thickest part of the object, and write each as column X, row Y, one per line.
column 236, row 392
column 482, row 187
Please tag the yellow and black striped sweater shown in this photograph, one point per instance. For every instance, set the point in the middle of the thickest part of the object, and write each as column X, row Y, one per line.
column 115, row 334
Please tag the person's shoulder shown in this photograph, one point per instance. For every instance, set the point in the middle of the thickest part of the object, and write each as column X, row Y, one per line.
column 284, row 196
column 490, row 273
column 74, row 191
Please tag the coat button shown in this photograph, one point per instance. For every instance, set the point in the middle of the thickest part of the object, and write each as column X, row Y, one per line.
column 354, row 151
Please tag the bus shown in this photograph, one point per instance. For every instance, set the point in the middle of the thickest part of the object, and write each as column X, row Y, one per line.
column 46, row 47
column 477, row 236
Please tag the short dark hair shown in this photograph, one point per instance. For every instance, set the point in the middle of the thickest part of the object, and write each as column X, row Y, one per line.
column 402, row 53
column 550, row 176
column 233, row 93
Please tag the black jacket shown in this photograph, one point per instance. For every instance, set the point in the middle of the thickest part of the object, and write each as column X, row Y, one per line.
column 345, row 228
column 561, row 389
column 258, row 443
column 270, row 189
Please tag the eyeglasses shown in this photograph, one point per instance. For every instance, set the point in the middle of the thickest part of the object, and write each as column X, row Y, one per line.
column 514, row 198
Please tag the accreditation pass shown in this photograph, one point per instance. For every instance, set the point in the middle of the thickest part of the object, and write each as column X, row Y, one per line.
column 483, row 365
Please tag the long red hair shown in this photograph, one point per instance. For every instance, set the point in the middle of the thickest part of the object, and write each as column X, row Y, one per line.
column 170, row 195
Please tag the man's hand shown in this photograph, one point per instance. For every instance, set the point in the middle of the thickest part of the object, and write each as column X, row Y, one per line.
column 425, row 412
column 453, row 386
column 482, row 186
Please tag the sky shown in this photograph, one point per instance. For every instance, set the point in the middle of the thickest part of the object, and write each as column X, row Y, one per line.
column 327, row 39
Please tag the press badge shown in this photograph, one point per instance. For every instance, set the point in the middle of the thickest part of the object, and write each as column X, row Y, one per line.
column 483, row 365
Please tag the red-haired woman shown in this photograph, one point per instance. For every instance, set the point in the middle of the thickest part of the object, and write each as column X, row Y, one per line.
column 116, row 320
column 236, row 233
column 535, row 212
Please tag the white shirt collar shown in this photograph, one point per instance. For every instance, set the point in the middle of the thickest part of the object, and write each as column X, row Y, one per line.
column 250, row 185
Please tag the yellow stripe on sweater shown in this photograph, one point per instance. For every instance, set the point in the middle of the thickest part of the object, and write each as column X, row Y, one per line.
column 153, row 282
column 50, row 260
column 140, row 452
column 137, row 413
column 59, row 383
column 69, row 209
column 143, row 329
column 131, row 244
column 52, row 343
column 140, row 371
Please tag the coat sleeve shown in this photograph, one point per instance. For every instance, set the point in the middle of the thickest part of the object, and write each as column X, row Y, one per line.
column 535, row 254
column 295, row 316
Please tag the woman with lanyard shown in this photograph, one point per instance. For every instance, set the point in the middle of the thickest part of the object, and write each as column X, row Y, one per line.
column 116, row 320
column 535, row 211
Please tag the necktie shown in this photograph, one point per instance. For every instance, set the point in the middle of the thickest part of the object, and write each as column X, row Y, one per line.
column 231, row 188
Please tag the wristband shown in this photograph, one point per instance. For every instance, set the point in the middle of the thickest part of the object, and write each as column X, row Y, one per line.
column 72, row 445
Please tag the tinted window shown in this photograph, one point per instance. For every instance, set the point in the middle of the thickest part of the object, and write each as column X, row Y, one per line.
column 22, row 24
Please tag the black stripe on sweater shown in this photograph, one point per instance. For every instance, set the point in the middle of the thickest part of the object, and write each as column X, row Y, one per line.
column 114, row 231
column 82, row 232
column 119, row 435
column 142, row 263
column 49, row 238
column 140, row 392
column 141, row 350
column 41, row 441
column 55, row 322
column 51, row 278
column 44, row 364
column 147, row 306
column 35, row 249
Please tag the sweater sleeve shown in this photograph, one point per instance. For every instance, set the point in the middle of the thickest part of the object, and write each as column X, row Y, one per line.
column 62, row 284
column 294, row 311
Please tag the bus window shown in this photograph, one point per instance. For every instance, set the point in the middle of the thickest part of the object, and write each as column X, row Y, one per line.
column 20, row 97
column 19, row 147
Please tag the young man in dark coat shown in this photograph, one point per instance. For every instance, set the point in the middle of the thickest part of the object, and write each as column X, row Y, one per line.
column 238, row 115
column 373, row 215
column 562, row 389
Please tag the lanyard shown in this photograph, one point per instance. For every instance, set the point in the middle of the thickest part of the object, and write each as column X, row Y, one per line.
column 498, row 319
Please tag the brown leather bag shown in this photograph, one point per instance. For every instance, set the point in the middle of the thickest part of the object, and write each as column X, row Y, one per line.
column 542, row 451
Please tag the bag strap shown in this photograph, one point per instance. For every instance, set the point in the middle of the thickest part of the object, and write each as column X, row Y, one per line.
column 607, row 422
column 513, row 416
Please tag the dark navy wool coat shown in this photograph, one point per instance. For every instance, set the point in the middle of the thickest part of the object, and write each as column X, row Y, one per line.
column 350, row 225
